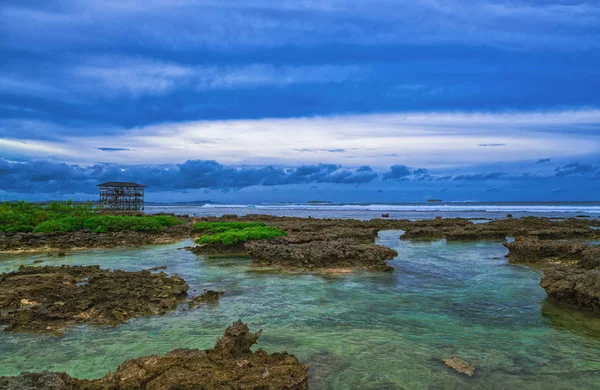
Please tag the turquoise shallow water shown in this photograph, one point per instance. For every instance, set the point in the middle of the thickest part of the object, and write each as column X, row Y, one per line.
column 357, row 331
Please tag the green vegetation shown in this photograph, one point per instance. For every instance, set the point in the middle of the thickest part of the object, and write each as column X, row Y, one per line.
column 218, row 227
column 113, row 223
column 25, row 217
column 229, row 233
column 66, row 224
column 18, row 217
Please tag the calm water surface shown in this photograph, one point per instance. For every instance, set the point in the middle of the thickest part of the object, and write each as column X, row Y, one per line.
column 358, row 331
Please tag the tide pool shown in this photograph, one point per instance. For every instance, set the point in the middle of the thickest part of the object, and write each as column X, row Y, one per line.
column 356, row 331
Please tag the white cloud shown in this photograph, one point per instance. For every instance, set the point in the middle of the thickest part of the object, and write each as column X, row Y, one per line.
column 110, row 76
column 133, row 76
column 256, row 75
column 33, row 148
column 430, row 140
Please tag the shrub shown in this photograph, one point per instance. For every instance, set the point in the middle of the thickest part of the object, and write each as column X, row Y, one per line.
column 68, row 208
column 234, row 236
column 24, row 216
column 114, row 223
column 16, row 228
column 69, row 217
column 66, row 224
column 217, row 227
column 167, row 220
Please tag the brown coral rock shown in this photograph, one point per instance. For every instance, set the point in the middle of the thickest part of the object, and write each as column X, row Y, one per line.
column 460, row 366
column 229, row 365
column 45, row 299
column 321, row 254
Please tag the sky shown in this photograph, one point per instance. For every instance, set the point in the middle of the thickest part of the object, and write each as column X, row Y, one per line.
column 288, row 101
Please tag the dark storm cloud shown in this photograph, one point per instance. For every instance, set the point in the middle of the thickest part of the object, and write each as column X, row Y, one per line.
column 575, row 168
column 402, row 172
column 397, row 172
column 49, row 176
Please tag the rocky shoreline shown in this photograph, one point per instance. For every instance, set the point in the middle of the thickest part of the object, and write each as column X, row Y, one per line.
column 49, row 242
column 460, row 229
column 229, row 365
column 304, row 230
column 46, row 299
column 325, row 244
column 571, row 269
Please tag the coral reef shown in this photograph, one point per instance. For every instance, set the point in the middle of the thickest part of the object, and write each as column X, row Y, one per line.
column 45, row 299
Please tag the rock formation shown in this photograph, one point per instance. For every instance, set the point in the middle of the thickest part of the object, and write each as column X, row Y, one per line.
column 45, row 299
column 229, row 365
column 321, row 254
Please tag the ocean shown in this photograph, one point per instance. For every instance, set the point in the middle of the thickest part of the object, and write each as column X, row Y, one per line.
column 412, row 211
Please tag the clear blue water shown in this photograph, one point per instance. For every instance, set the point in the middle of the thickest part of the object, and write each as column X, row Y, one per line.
column 355, row 331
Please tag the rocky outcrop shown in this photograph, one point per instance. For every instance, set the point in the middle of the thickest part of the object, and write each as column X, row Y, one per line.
column 312, row 243
column 475, row 232
column 45, row 380
column 229, row 365
column 217, row 248
column 455, row 230
column 459, row 229
column 45, row 299
column 576, row 287
column 528, row 250
column 358, row 236
column 422, row 233
column 571, row 269
column 86, row 239
column 321, row 255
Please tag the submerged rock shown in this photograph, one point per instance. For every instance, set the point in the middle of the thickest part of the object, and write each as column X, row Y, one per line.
column 229, row 365
column 460, row 366
column 208, row 296
column 45, row 299
column 321, row 254
column 45, row 380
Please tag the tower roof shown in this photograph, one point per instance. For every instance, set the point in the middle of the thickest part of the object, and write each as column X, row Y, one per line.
column 121, row 184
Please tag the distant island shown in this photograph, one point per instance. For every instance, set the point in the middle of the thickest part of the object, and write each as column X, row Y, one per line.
column 319, row 202
column 434, row 200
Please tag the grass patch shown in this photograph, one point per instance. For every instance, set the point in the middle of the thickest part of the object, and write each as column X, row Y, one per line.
column 235, row 236
column 230, row 233
column 218, row 227
column 115, row 223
